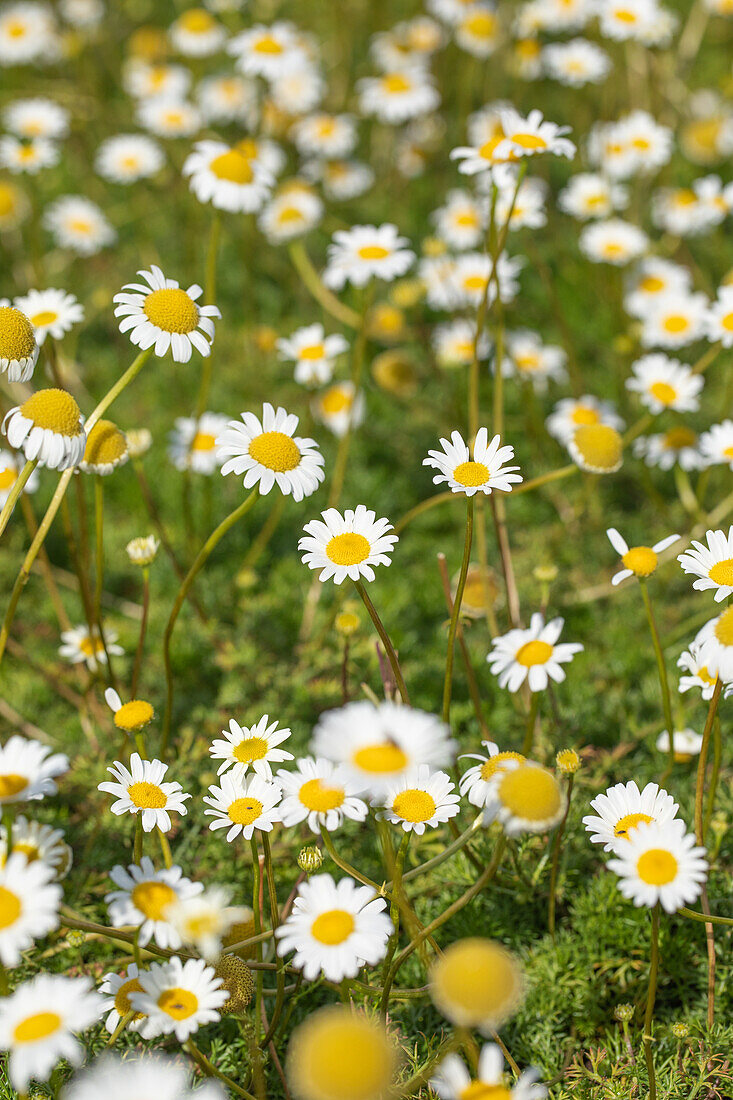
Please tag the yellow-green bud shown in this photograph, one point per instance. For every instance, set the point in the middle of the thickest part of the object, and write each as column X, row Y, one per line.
column 567, row 761
column 76, row 937
column 624, row 1012
column 310, row 859
column 680, row 1031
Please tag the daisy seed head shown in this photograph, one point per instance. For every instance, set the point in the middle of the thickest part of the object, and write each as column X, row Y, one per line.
column 17, row 336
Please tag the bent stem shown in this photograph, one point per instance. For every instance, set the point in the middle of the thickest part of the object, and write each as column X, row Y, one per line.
column 384, row 637
column 321, row 293
column 212, row 1071
column 201, row 558
column 15, row 492
column 662, row 670
column 448, row 682
column 651, row 996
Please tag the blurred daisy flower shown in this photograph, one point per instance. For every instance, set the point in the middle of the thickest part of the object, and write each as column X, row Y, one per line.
column 719, row 319
column 452, row 1080
column 571, row 412
column 38, row 843
column 162, row 316
column 105, row 450
column 398, row 96
column 195, row 33
column 143, row 897
column 525, row 798
column 591, row 195
column 30, row 905
column 685, row 744
column 526, row 137
column 364, row 252
column 27, row 155
column 675, row 320
column 716, row 444
column 127, row 158
column 79, row 646
column 530, row 359
column 290, row 212
column 654, row 279
column 476, row 983
column 339, row 408
column 312, row 352
column 576, row 63
column 325, row 135
column 51, row 312
column 227, row 178
column 192, row 442
column 36, row 118
column 28, row 770
column 202, row 921
column 78, row 224
column 665, row 383
column 453, row 343
column 169, row 116
column 612, row 242
column 268, row 51
column 597, row 448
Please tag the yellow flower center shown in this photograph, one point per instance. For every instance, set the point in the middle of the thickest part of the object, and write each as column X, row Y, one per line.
column 677, row 438
column 479, row 1090
column 197, row 21
column 728, row 452
column 90, row 647
column 252, row 748
column 530, row 793
column 469, row 218
column 373, row 252
column 8, row 200
column 495, row 763
column 396, row 82
column 624, row 825
column 276, row 451
column 657, row 867
column 685, row 197
column 16, row 29
column 45, row 317
column 171, row 310
column 17, row 338
column 663, row 392
column 722, row 572
column 315, row 351
column 727, row 322
column 724, row 627
column 487, row 149
column 584, row 415
column 232, row 166
column 245, row 811
column 315, row 795
column 106, row 444
column 529, row 141
column 333, row 927
column 380, row 758
column 203, row 441
column 348, row 549
column 475, row 282
column 343, row 1056
column 534, row 653
column 471, row 473
column 625, row 16
column 652, row 284
column 477, row 980
column 267, row 44
column 122, row 996
column 146, row 796
column 325, row 127
column 79, row 225
column 152, row 899
column 12, row 784
column 10, row 907
column 414, row 805
column 482, row 24
column 36, row 1027
column 291, row 214
column 704, row 675
column 600, row 446
column 54, row 410
column 675, row 323
column 641, row 560
column 133, row 715
column 178, row 1003
column 335, row 401
column 8, row 477
column 130, row 161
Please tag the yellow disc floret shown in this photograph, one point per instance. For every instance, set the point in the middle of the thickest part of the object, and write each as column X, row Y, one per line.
column 232, row 166
column 341, row 1055
column 471, row 474
column 134, row 715
column 600, row 447
column 414, row 805
column 723, row 629
column 641, row 560
column 275, row 450
column 349, row 548
column 55, row 410
column 531, row 794
column 316, row 796
column 17, row 337
column 106, row 445
column 333, row 927
column 476, row 983
column 245, row 811
column 171, row 310
column 380, row 758
column 657, row 867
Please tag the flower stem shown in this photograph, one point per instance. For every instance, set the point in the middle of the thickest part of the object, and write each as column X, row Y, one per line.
column 209, row 296
column 15, row 492
column 448, row 682
column 211, row 1070
column 257, row 917
column 534, row 706
column 651, row 997
column 143, row 629
column 557, row 841
column 662, row 669
column 321, row 293
column 388, row 647
column 702, row 761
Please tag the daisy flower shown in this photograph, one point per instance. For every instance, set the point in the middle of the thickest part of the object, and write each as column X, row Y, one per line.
column 48, row 428
column 576, row 63
column 205, row 919
column 485, row 471
column 39, row 1022
column 621, row 21
column 460, row 222
column 698, row 675
column 638, row 561
column 144, row 81
column 716, row 646
column 291, row 212
column 347, row 545
column 321, row 793
column 454, row 341
column 144, row 897
column 479, row 30
column 661, row 864
column 316, row 1065
column 591, row 195
column 534, row 361
column 678, row 445
column 344, row 179
column 255, row 747
column 650, row 143
column 28, row 33
column 711, row 564
column 675, row 320
column 452, row 1081
column 51, row 312
column 335, row 929
column 312, row 352
column 242, row 804
column 571, row 412
column 105, row 450
column 179, row 998
column 622, row 809
column 398, row 96
column 143, row 550
column 29, row 903
column 612, row 242
column 37, row 843
column 420, row 799
column 192, row 442
column 476, row 983
column 83, row 14
column 79, row 225
column 27, row 155
column 28, row 770
column 655, row 279
column 18, row 343
column 140, row 788
column 36, row 118
column 145, row 1074
column 169, row 117
column 267, row 51
column 297, row 90
column 268, row 453
column 471, row 273
column 527, row 209
column 476, row 782
column 381, row 744
column 719, row 321
column 597, row 448
column 532, row 654
column 195, row 33
column 14, row 206
column 79, row 646
column 685, row 744
column 339, row 408
column 161, row 316
column 525, row 798
column 117, row 989
column 228, row 98
column 224, row 176
column 716, row 444
column 526, row 137
column 132, row 716
column 325, row 135
column 364, row 252
column 127, row 158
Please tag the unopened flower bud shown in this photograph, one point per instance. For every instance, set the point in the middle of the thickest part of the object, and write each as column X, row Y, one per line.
column 623, row 1013
column 680, row 1031
column 310, row 859
column 142, row 551
column 567, row 761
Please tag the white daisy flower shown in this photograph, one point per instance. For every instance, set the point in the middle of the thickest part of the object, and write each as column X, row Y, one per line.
column 347, row 545
column 335, row 929
column 268, row 51
column 638, row 561
column 195, row 33
column 719, row 320
column 28, row 34
column 298, row 89
column 204, row 920
column 486, row 471
column 533, row 361
column 420, row 799
column 36, row 118
column 716, row 646
column 255, row 747
column 650, row 143
column 685, row 744
column 569, row 413
column 675, row 320
column 596, row 448
column 665, row 383
column 242, row 804
column 454, row 341
column 144, row 898
column 179, row 998
column 460, row 221
column 224, row 176
column 145, row 81
column 678, row 445
column 381, row 744
column 471, row 273
column 82, row 14
column 576, row 63
column 268, row 453
column 291, row 212
column 622, row 809
column 591, row 195
column 228, row 98
column 37, row 842
column 612, row 242
column 321, row 793
column 18, row 343
column 340, row 408
column 621, row 21
column 29, row 903
column 532, row 654
column 163, row 316
column 716, row 444
column 141, row 788
column 11, row 464
column 146, row 1074
column 523, row 208
column 476, row 783
column 79, row 225
column 325, row 135
column 192, row 442
column 51, row 312
column 711, row 564
column 39, row 1022
column 28, row 770
column 48, row 428
column 27, row 155
column 526, row 137
column 489, row 155
column 438, row 274
column 398, row 96
column 79, row 646
column 660, row 864
column 364, row 252
column 478, row 32
column 169, row 117
column 452, row 1081
column 127, row 158
column 341, row 179
column 312, row 352
column 142, row 550
column 698, row 675
column 117, row 989
column 525, row 798
column 654, row 279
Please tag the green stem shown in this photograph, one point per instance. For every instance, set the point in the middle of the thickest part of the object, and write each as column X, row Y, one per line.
column 258, row 929
column 388, row 647
column 321, row 293
column 137, row 850
column 143, row 629
column 448, row 682
column 211, row 1070
column 209, row 297
column 703, row 918
column 346, row 867
column 717, row 760
column 15, row 492
column 201, row 558
column 651, row 996
column 557, row 841
column 661, row 668
column 394, row 913
column 275, row 920
column 534, row 706
column 702, row 761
